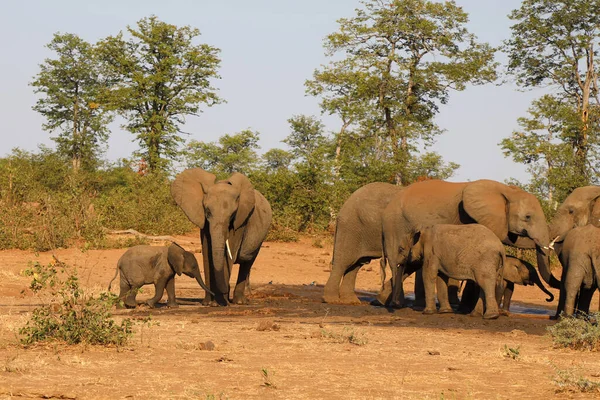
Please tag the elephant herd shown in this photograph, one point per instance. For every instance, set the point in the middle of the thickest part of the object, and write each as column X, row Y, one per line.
column 444, row 232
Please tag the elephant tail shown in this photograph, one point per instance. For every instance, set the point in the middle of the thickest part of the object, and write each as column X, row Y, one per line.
column 114, row 277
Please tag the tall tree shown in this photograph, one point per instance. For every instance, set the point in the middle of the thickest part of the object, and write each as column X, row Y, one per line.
column 554, row 43
column 160, row 76
column 310, row 147
column 402, row 59
column 71, row 85
column 545, row 143
column 232, row 153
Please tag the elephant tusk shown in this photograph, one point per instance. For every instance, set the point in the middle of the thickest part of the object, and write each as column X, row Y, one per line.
column 551, row 245
column 228, row 248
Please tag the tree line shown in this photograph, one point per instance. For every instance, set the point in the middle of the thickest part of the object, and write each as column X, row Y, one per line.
column 393, row 66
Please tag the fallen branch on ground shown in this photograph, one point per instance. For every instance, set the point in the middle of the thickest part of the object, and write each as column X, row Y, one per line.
column 149, row 237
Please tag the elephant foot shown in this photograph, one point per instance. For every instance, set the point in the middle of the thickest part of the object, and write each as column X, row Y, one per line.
column 429, row 311
column 476, row 313
column 351, row 299
column 330, row 298
column 396, row 304
column 172, row 305
column 446, row 310
column 149, row 304
column 504, row 313
column 241, row 300
column 491, row 315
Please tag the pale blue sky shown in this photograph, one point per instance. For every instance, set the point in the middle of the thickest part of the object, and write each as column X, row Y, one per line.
column 269, row 48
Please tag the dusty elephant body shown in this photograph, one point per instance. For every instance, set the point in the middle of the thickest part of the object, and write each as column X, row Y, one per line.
column 462, row 252
column 145, row 265
column 234, row 220
column 513, row 215
column 579, row 209
column 357, row 240
column 520, row 272
column 580, row 258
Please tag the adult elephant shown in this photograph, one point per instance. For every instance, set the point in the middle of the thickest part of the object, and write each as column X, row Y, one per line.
column 233, row 218
column 580, row 208
column 357, row 241
column 514, row 216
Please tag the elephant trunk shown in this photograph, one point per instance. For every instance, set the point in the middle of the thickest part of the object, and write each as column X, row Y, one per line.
column 201, row 282
column 221, row 273
column 543, row 263
column 535, row 279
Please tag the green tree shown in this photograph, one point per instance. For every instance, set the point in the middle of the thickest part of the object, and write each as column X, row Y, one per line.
column 553, row 45
column 71, row 84
column 160, row 76
column 277, row 159
column 402, row 59
column 545, row 143
column 310, row 148
column 232, row 153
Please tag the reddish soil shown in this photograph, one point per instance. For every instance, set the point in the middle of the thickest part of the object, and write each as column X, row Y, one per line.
column 301, row 343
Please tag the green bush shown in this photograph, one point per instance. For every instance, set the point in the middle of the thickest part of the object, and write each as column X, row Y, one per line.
column 577, row 333
column 72, row 315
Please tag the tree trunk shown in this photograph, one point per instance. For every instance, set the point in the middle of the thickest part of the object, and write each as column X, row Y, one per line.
column 76, row 162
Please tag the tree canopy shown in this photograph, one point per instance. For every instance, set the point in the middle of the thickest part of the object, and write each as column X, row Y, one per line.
column 71, row 85
column 400, row 60
column 159, row 76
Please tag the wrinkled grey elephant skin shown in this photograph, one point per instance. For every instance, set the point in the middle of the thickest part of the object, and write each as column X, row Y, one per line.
column 234, row 220
column 461, row 252
column 580, row 257
column 513, row 215
column 145, row 265
column 579, row 209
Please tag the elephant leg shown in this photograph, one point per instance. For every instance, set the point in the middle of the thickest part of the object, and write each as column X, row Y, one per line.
column 453, row 289
column 442, row 294
column 239, row 294
column 419, row 289
column 127, row 295
column 585, row 299
column 347, row 295
column 159, row 289
column 508, row 292
column 208, row 277
column 430, row 272
column 488, row 287
column 171, row 302
column 470, row 295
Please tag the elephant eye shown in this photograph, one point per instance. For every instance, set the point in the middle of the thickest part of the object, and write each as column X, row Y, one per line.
column 528, row 218
column 571, row 211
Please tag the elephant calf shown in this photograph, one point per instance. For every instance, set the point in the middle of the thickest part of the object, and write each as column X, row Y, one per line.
column 144, row 265
column 470, row 252
column 522, row 273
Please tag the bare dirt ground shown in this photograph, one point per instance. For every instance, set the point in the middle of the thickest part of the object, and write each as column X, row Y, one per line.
column 287, row 333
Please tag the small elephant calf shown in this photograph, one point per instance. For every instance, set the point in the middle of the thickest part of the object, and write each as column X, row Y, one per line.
column 522, row 273
column 461, row 252
column 144, row 265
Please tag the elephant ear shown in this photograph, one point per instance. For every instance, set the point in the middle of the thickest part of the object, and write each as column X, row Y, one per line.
column 595, row 212
column 188, row 190
column 486, row 203
column 176, row 257
column 246, row 201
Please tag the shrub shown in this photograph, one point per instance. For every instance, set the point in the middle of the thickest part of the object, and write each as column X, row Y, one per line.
column 569, row 381
column 72, row 315
column 577, row 333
